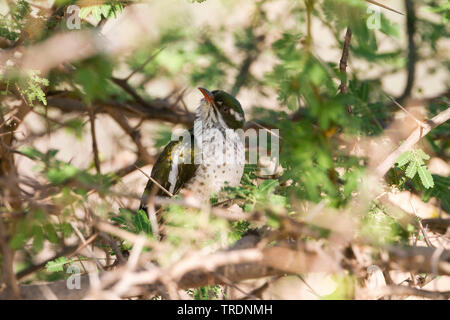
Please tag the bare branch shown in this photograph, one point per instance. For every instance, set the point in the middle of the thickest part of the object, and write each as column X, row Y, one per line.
column 437, row 225
column 383, row 6
column 94, row 139
column 8, row 260
column 419, row 259
column 404, row 291
column 343, row 65
column 412, row 55
column 408, row 144
column 154, row 110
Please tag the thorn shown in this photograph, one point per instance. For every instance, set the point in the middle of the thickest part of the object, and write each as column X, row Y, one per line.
column 144, row 64
column 264, row 128
column 384, row 6
column 420, row 123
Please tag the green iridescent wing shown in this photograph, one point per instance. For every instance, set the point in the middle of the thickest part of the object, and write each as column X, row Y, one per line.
column 172, row 176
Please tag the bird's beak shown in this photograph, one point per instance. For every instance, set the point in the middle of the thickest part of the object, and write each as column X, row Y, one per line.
column 208, row 96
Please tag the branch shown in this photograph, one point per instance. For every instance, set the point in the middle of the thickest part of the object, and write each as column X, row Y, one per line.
column 437, row 225
column 72, row 46
column 8, row 263
column 244, row 70
column 412, row 55
column 126, row 170
column 383, row 6
column 343, row 65
column 94, row 139
column 343, row 62
column 193, row 279
column 34, row 268
column 133, row 133
column 413, row 138
column 157, row 109
column 241, row 262
column 404, row 291
column 420, row 260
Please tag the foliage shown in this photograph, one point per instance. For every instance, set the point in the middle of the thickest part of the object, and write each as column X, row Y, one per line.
column 57, row 264
column 136, row 223
column 206, row 293
column 106, row 10
column 275, row 63
column 440, row 191
column 415, row 161
column 11, row 24
column 29, row 85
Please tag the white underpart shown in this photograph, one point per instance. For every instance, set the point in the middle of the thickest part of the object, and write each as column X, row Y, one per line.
column 173, row 174
column 181, row 153
column 220, row 154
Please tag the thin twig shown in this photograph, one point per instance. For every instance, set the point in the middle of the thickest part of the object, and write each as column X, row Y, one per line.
column 123, row 234
column 413, row 138
column 384, row 6
column 83, row 240
column 8, row 262
column 142, row 66
column 404, row 291
column 94, row 139
column 343, row 65
column 309, row 287
column 230, row 283
column 155, row 182
column 412, row 54
column 420, row 123
column 425, row 236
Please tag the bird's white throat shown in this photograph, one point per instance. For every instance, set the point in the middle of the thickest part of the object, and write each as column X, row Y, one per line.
column 219, row 151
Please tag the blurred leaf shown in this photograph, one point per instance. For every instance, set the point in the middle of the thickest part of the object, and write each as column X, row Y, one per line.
column 50, row 233
column 57, row 264
column 142, row 223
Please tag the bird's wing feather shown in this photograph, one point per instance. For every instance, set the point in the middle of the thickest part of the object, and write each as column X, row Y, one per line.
column 170, row 171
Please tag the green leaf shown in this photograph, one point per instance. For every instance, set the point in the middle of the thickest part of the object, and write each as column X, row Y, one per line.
column 84, row 12
column 404, row 158
column 268, row 186
column 38, row 238
column 56, row 265
column 30, row 87
column 425, row 177
column 141, row 222
column 278, row 200
column 106, row 9
column 66, row 229
column 75, row 126
column 19, row 239
column 50, row 233
column 97, row 13
column 248, row 207
column 58, row 176
column 31, row 152
column 421, row 154
column 411, row 170
column 389, row 28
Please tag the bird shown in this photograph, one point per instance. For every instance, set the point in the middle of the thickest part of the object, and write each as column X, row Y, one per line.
column 207, row 157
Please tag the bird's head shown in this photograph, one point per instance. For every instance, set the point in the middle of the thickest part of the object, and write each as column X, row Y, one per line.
column 222, row 108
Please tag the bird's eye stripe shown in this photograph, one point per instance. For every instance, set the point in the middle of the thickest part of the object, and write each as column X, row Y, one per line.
column 236, row 115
